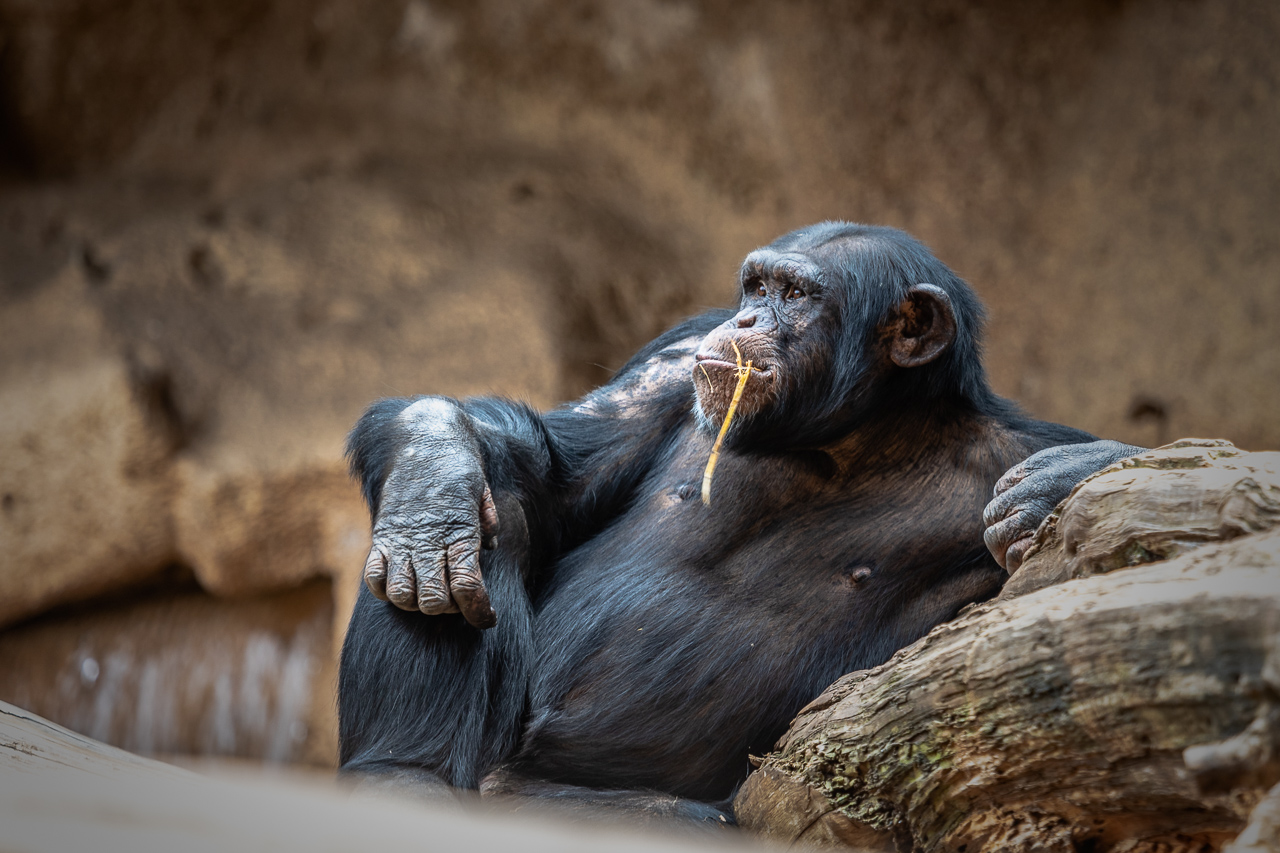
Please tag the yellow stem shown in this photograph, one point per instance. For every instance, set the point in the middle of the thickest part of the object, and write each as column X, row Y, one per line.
column 743, row 372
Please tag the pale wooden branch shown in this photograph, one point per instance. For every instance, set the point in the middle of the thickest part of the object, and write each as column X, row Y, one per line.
column 60, row 791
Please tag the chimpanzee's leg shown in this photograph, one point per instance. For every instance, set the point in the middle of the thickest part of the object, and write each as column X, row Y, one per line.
column 431, row 698
column 644, row 808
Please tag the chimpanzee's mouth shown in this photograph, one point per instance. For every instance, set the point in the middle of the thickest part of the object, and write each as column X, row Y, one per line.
column 712, row 363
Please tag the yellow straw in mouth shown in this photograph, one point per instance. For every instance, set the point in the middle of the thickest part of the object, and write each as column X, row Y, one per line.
column 742, row 371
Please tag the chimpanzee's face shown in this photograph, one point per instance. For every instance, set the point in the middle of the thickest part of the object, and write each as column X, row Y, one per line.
column 778, row 329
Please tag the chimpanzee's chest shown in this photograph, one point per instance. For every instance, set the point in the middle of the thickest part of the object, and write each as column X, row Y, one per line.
column 719, row 622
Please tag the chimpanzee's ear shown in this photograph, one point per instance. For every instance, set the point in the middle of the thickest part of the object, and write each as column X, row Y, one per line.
column 923, row 328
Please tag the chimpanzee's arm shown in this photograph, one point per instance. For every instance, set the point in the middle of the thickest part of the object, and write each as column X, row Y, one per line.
column 430, row 468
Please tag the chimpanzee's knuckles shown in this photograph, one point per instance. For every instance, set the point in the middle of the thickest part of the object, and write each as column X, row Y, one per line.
column 1010, row 478
column 1044, row 490
column 1025, row 496
column 1027, row 507
column 1068, row 464
column 999, row 507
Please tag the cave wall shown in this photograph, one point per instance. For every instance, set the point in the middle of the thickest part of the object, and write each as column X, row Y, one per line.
column 225, row 227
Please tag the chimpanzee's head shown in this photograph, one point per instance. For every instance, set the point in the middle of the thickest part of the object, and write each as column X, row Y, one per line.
column 838, row 320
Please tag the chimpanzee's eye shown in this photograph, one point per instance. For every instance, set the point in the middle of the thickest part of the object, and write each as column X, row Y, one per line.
column 795, row 293
column 760, row 291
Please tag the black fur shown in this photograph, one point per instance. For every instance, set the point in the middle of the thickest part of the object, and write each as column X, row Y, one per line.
column 648, row 642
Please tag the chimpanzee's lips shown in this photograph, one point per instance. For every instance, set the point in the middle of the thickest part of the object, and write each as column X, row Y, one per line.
column 711, row 362
column 708, row 361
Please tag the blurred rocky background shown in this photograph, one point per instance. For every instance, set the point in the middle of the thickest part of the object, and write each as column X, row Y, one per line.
column 228, row 225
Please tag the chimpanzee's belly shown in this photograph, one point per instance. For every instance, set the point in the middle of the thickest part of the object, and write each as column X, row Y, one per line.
column 683, row 636
column 650, row 676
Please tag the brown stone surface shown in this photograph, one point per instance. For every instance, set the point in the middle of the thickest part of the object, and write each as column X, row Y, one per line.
column 182, row 672
column 1104, row 173
column 85, row 486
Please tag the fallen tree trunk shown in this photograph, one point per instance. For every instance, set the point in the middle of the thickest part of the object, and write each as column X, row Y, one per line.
column 1058, row 719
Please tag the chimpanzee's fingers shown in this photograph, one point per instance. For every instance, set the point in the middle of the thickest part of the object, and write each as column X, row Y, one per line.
column 467, row 586
column 1017, row 551
column 1009, row 539
column 1012, row 517
column 488, row 521
column 375, row 573
column 1004, row 503
column 433, row 584
column 401, row 587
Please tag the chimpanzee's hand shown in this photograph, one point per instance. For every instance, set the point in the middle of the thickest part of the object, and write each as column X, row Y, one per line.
column 1029, row 491
column 435, row 514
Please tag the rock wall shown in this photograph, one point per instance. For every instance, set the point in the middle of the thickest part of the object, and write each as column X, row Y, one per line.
column 227, row 226
column 179, row 672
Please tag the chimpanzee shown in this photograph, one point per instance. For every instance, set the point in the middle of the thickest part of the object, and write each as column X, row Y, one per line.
column 552, row 611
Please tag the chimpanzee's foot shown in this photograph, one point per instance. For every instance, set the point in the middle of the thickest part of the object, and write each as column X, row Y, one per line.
column 636, row 808
column 408, row 783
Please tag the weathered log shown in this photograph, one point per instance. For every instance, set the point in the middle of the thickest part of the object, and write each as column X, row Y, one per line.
column 1251, row 759
column 1153, row 507
column 1262, row 835
column 1057, row 719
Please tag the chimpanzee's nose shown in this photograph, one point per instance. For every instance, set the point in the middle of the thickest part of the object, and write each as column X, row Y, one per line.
column 746, row 320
